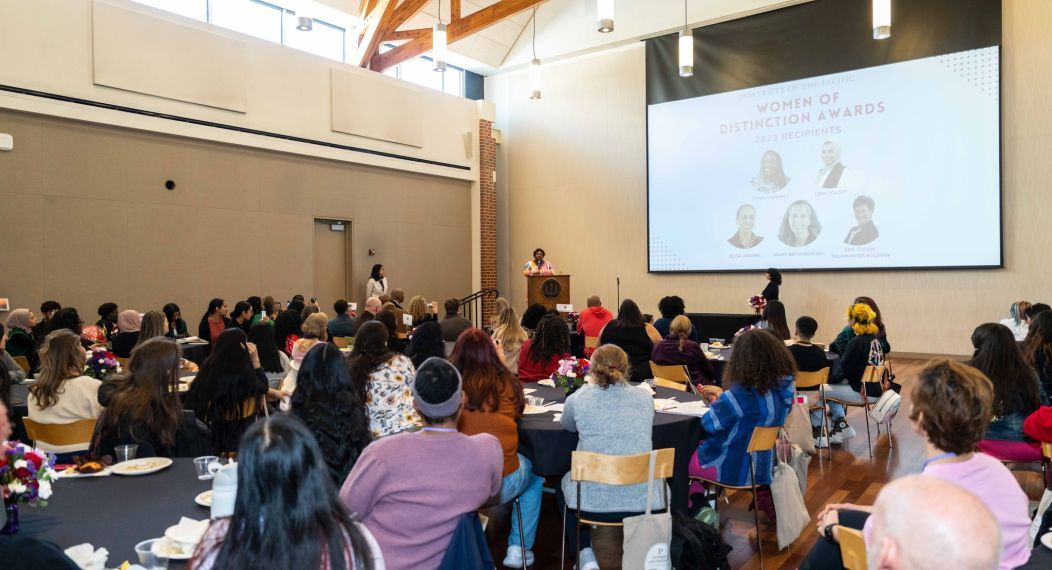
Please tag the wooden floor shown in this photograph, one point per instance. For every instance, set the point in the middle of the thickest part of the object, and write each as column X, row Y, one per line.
column 850, row 477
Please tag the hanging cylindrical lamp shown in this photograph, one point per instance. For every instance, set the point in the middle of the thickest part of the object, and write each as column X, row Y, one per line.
column 605, row 15
column 535, row 78
column 881, row 19
column 438, row 42
column 686, row 53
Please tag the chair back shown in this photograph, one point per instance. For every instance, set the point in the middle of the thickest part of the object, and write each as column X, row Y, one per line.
column 670, row 384
column 852, row 548
column 620, row 469
column 123, row 362
column 673, row 373
column 73, row 433
column 873, row 374
column 763, row 438
column 1046, row 450
column 22, row 362
column 812, row 379
column 340, row 342
column 591, row 341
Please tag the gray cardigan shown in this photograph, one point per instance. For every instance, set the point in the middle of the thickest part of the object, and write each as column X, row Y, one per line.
column 17, row 374
column 614, row 421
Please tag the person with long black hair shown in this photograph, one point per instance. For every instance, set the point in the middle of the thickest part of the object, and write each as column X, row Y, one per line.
column 773, row 319
column 274, row 362
column 539, row 356
column 532, row 318
column 258, row 312
column 377, row 284
column 383, row 378
column 108, row 319
column 425, row 343
column 283, row 482
column 387, row 317
column 214, row 321
column 634, row 336
column 1037, row 348
column 1017, row 391
column 176, row 325
column 328, row 404
column 287, row 330
column 774, row 281
column 227, row 393
column 242, row 315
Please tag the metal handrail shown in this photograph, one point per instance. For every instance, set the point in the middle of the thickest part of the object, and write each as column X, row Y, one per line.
column 472, row 306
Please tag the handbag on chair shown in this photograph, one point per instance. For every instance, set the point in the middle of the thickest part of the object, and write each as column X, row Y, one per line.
column 648, row 536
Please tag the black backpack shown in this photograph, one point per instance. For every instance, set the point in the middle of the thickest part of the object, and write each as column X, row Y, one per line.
column 697, row 545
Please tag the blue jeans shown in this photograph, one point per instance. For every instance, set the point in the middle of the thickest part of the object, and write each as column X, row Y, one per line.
column 836, row 410
column 522, row 483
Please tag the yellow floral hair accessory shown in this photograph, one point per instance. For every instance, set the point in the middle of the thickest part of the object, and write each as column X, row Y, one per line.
column 862, row 317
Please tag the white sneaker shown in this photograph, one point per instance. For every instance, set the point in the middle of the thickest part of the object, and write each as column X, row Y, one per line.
column 588, row 560
column 848, row 433
column 822, row 441
column 514, row 557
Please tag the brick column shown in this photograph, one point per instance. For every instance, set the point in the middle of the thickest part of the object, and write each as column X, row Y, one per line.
column 488, row 213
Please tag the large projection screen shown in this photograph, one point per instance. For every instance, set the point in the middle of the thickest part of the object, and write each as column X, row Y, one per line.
column 803, row 143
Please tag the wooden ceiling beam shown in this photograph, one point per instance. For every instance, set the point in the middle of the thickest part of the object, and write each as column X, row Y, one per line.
column 405, row 34
column 407, row 9
column 372, row 31
column 456, row 30
column 454, row 10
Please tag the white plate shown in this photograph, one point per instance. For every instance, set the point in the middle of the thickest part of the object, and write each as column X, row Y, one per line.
column 532, row 410
column 204, row 499
column 166, row 548
column 664, row 404
column 1047, row 540
column 141, row 466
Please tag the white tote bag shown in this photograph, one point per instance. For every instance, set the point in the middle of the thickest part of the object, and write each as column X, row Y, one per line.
column 798, row 428
column 648, row 536
column 788, row 503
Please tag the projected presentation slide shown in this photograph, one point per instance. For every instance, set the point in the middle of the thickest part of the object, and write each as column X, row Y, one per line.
column 895, row 166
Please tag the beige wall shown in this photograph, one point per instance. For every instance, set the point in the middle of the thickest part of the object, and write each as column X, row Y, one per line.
column 85, row 218
column 576, row 173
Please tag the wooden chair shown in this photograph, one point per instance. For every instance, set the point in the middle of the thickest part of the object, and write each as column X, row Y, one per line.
column 852, row 548
column 762, row 439
column 586, row 466
column 22, row 362
column 340, row 342
column 675, row 373
column 1046, row 464
column 872, row 375
column 670, row 384
column 56, row 435
column 816, row 380
column 123, row 362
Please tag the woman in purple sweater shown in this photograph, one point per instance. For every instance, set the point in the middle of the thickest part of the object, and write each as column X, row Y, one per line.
column 677, row 348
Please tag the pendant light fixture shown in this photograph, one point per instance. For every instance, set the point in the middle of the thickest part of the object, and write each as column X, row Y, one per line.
column 686, row 47
column 535, row 64
column 438, row 43
column 881, row 19
column 605, row 15
column 304, row 23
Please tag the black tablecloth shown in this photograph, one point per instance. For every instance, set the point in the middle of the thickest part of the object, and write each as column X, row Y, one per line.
column 117, row 512
column 1040, row 559
column 549, row 446
column 719, row 365
column 196, row 353
column 720, row 325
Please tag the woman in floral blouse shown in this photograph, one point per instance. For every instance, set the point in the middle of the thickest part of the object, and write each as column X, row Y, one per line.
column 537, row 265
column 384, row 378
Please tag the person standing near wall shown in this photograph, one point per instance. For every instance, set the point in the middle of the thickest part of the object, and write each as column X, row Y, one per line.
column 377, row 284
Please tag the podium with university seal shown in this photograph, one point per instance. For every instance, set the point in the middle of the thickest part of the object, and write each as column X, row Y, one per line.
column 548, row 290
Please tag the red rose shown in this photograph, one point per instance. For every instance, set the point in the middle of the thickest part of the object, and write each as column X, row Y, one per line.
column 21, row 473
column 35, row 459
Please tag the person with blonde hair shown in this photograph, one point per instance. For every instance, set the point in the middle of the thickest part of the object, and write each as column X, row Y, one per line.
column 315, row 329
column 62, row 393
column 678, row 349
column 420, row 311
column 613, row 418
column 498, row 306
column 509, row 336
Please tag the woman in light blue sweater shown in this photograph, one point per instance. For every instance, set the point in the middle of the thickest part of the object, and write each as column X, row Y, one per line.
column 613, row 418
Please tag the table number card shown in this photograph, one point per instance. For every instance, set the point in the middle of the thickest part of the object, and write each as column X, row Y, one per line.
column 564, row 308
column 407, row 320
column 353, row 306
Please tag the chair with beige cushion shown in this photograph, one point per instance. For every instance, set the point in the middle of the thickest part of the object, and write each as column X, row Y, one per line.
column 852, row 548
column 672, row 374
column 22, row 362
column 58, row 435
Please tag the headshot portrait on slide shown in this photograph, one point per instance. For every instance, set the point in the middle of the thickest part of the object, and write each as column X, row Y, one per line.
column 800, row 225
column 832, row 173
column 771, row 177
column 744, row 238
column 865, row 231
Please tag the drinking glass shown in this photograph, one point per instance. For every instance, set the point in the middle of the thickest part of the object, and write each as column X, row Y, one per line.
column 206, row 467
column 147, row 558
column 534, row 401
column 125, row 452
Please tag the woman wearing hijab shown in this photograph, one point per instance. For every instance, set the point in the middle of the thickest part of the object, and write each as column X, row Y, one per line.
column 128, row 324
column 20, row 340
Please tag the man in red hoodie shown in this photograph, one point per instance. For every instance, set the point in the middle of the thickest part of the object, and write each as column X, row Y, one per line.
column 592, row 321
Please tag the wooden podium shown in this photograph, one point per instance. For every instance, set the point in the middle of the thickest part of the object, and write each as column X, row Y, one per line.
column 548, row 290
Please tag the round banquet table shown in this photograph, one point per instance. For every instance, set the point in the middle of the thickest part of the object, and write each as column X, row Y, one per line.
column 548, row 445
column 195, row 352
column 116, row 512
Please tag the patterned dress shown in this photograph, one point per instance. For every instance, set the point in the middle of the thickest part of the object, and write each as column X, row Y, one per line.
column 390, row 401
column 544, row 268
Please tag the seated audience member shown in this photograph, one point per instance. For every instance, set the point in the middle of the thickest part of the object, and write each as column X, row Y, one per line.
column 309, row 310
column 155, row 324
column 343, row 323
column 6, row 381
column 326, row 402
column 499, row 304
column 773, row 319
column 671, row 307
column 1037, row 349
column 539, row 356
column 845, row 383
column 1017, row 391
column 493, row 403
column 43, row 326
column 270, row 310
column 315, row 330
column 839, row 344
column 214, row 321
column 108, row 313
column 453, row 323
column 69, row 318
column 648, row 319
column 26, row 553
column 127, row 336
column 425, row 343
column 509, row 336
column 592, row 321
column 20, row 339
column 143, row 408
column 677, row 348
column 287, row 330
column 613, row 418
column 62, row 393
column 1033, row 311
column 373, row 306
column 532, row 318
column 256, row 302
column 420, row 310
column 759, row 380
column 242, row 316
column 397, row 297
column 410, row 489
column 296, row 305
column 228, row 392
column 921, row 522
column 951, row 405
column 176, row 325
column 282, row 479
column 808, row 357
column 7, row 362
column 383, row 378
column 635, row 337
column 388, row 319
column 275, row 364
column 1016, row 321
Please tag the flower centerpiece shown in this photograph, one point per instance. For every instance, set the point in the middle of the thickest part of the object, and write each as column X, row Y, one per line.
column 570, row 374
column 26, row 475
column 101, row 363
column 572, row 318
